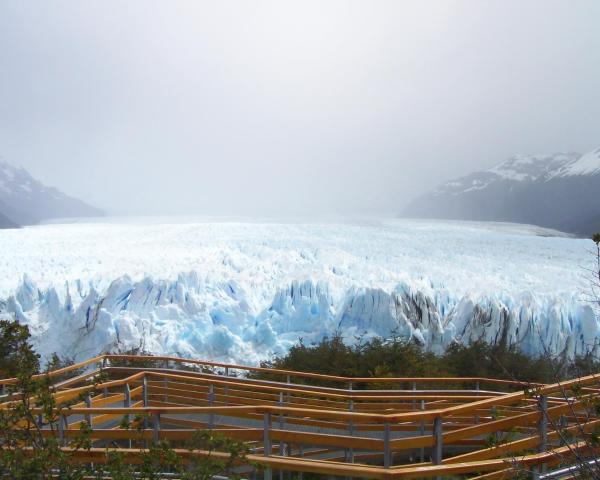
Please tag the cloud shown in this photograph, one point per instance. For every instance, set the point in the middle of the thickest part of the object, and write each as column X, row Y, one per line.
column 288, row 107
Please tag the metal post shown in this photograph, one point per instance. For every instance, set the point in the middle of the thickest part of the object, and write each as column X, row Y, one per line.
column 145, row 398
column 350, row 385
column 102, row 367
column 88, row 404
column 280, row 418
column 563, row 425
column 211, row 396
column 226, row 387
column 351, row 433
column 438, row 441
column 387, row 454
column 156, row 434
column 62, row 426
column 422, row 432
column 166, row 381
column 543, row 427
column 301, row 454
column 477, row 385
column 145, row 391
column 127, row 404
column 2, row 390
column 127, row 400
column 267, row 442
column 414, row 402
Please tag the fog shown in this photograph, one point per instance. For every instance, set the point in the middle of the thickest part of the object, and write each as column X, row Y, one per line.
column 289, row 108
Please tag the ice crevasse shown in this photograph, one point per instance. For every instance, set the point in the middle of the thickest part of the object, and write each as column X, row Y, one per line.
column 224, row 321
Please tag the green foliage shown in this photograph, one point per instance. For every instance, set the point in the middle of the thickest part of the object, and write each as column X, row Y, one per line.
column 29, row 450
column 398, row 358
column 16, row 353
column 201, row 469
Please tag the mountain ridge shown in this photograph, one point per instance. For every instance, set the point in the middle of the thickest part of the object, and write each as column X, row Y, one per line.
column 557, row 191
column 24, row 200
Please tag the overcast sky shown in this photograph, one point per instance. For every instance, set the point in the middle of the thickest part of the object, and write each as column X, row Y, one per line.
column 283, row 107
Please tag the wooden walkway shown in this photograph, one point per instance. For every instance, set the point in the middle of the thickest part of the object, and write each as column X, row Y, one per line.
column 352, row 427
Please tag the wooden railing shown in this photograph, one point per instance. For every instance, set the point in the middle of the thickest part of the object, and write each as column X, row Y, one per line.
column 370, row 433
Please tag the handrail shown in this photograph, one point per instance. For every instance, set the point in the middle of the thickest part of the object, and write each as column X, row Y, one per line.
column 504, row 400
column 327, row 419
column 231, row 366
column 98, row 455
column 319, row 376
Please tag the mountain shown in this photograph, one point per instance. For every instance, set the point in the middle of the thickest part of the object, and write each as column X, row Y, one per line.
column 26, row 201
column 559, row 191
column 6, row 222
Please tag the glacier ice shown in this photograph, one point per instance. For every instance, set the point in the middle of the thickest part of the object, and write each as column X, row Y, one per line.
column 246, row 291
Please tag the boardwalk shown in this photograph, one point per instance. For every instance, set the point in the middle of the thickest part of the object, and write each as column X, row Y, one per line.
column 349, row 427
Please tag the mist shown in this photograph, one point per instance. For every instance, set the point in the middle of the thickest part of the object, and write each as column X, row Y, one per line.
column 288, row 108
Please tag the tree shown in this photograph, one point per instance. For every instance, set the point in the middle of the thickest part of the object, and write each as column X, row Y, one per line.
column 30, row 450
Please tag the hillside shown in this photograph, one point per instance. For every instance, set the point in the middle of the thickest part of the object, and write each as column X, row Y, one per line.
column 557, row 191
column 25, row 200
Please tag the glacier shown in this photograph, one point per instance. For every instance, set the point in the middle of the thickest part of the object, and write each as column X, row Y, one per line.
column 244, row 291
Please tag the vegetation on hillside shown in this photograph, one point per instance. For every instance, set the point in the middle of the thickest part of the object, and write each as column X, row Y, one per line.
column 398, row 358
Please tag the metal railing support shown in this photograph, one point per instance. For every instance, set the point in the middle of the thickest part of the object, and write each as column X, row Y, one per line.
column 127, row 399
column 211, row 401
column 88, row 404
column 280, row 418
column 145, row 390
column 226, row 389
column 156, row 432
column 387, row 454
column 414, row 402
column 350, row 451
column 127, row 404
column 267, row 442
column 166, row 382
column 103, row 365
column 145, row 399
column 438, row 441
column 62, row 426
column 301, row 454
column 543, row 424
column 422, row 432
column 543, row 427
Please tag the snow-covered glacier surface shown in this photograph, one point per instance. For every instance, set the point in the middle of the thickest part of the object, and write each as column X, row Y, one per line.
column 244, row 291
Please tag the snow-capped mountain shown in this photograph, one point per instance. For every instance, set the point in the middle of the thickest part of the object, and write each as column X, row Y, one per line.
column 556, row 191
column 26, row 201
